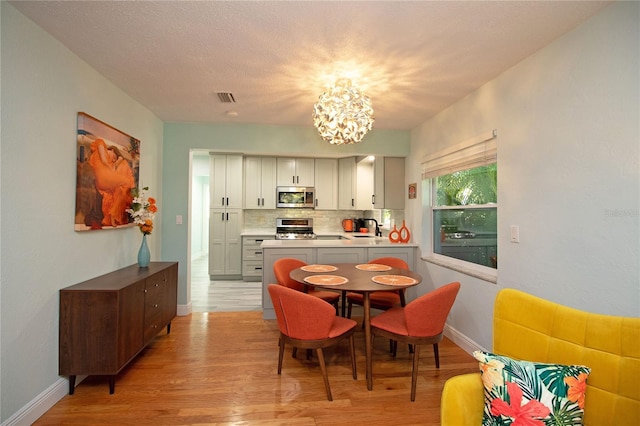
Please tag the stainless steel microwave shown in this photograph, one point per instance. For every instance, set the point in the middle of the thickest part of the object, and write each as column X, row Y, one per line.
column 295, row 197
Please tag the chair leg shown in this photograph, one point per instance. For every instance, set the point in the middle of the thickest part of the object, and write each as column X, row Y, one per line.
column 435, row 353
column 280, row 354
column 349, row 310
column 414, row 373
column 352, row 349
column 323, row 368
column 294, row 352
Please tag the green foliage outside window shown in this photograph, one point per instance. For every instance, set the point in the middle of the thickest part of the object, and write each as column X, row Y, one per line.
column 466, row 187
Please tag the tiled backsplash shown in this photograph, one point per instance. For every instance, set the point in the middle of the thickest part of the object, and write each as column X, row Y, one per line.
column 323, row 220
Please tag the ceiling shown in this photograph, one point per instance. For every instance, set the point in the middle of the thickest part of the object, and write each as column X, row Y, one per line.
column 413, row 59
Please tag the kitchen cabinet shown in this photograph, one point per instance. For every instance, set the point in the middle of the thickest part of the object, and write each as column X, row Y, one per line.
column 355, row 184
column 225, row 243
column 295, row 172
column 388, row 177
column 259, row 183
column 106, row 321
column 252, row 256
column 225, row 181
column 326, row 177
column 341, row 255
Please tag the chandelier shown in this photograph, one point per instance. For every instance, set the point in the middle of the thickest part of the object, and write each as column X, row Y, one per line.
column 343, row 114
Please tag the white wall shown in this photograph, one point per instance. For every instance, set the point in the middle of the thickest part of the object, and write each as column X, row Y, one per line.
column 568, row 173
column 44, row 86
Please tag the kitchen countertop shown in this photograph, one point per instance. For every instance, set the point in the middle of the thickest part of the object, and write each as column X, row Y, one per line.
column 349, row 241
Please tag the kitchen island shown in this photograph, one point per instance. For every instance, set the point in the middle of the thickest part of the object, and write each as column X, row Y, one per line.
column 347, row 247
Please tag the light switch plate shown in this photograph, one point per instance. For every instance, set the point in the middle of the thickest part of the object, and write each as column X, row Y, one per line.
column 515, row 234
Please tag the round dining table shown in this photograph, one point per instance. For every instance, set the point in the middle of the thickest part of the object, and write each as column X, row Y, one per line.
column 362, row 278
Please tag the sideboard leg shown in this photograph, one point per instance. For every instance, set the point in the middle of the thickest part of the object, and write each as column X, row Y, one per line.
column 72, row 384
column 169, row 327
column 112, row 384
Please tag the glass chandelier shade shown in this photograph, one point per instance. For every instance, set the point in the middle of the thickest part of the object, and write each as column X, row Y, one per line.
column 343, row 114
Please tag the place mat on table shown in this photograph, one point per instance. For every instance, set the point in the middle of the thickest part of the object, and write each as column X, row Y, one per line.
column 326, row 279
column 393, row 280
column 375, row 267
column 318, row 268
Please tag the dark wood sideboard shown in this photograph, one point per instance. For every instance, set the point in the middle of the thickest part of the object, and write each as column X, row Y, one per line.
column 106, row 321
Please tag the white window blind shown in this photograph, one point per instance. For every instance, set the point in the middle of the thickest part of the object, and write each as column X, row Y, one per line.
column 475, row 152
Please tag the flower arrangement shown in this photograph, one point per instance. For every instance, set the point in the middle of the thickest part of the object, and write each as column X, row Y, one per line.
column 142, row 209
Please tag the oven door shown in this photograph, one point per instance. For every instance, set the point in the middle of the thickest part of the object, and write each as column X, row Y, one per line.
column 295, row 197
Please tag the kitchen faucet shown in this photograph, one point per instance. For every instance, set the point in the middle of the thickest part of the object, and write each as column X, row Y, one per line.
column 378, row 232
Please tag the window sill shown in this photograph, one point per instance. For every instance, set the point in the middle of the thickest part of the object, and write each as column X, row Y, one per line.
column 485, row 276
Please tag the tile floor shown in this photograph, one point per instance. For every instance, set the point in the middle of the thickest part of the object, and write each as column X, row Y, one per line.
column 221, row 296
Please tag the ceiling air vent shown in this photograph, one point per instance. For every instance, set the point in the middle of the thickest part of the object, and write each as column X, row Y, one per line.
column 226, row 98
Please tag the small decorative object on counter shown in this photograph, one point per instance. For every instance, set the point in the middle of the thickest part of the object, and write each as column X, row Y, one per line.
column 394, row 235
column 405, row 234
column 402, row 235
column 142, row 212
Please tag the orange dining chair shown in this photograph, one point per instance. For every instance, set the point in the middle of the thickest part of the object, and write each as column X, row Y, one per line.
column 282, row 268
column 421, row 322
column 382, row 300
column 307, row 322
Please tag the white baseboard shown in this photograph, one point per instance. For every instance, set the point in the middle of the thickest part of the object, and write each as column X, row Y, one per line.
column 184, row 310
column 461, row 340
column 40, row 404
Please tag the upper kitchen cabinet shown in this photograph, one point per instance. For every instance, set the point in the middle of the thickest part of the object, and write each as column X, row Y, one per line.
column 388, row 177
column 356, row 184
column 295, row 172
column 326, row 172
column 259, row 183
column 225, row 181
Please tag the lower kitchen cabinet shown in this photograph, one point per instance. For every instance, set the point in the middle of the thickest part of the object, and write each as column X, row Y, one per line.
column 252, row 256
column 106, row 321
column 225, row 244
column 341, row 255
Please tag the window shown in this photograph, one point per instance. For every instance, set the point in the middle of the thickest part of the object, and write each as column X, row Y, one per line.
column 463, row 183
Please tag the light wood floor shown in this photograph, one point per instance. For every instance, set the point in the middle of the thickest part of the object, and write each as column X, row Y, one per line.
column 219, row 295
column 220, row 368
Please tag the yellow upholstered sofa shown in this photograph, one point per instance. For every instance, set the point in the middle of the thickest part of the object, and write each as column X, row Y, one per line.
column 528, row 328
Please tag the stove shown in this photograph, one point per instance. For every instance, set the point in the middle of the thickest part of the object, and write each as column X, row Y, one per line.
column 294, row 229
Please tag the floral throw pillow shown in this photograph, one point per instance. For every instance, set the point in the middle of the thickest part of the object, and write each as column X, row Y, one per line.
column 522, row 393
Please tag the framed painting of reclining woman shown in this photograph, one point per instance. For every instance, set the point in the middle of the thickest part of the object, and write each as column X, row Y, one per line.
column 108, row 167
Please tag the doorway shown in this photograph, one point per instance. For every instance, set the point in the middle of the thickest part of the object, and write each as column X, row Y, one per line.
column 212, row 295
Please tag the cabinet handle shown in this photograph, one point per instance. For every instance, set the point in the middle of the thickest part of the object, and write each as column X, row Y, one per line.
column 227, row 200
column 316, row 202
column 262, row 202
column 373, row 199
column 227, row 216
column 293, row 179
column 257, row 253
column 258, row 201
column 222, row 201
column 353, row 204
column 144, row 291
column 297, row 179
column 222, row 216
column 156, row 284
column 155, row 306
column 259, row 241
column 257, row 268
